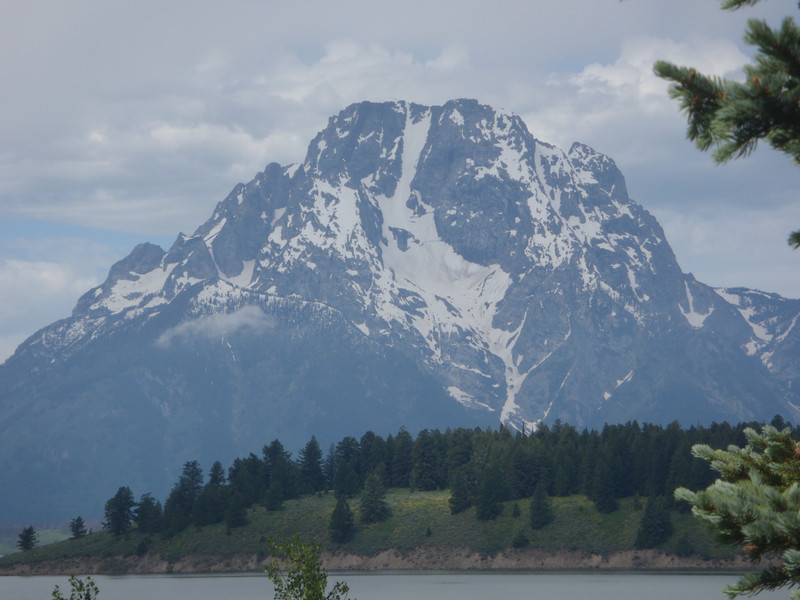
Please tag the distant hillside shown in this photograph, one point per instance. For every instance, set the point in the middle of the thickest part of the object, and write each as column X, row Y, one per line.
column 422, row 533
column 473, row 494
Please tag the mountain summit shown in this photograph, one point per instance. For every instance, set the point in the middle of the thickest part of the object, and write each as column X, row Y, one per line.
column 423, row 267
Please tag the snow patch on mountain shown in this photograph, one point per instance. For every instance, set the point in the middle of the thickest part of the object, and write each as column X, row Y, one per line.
column 695, row 319
column 620, row 383
column 130, row 293
column 761, row 335
column 245, row 277
column 466, row 399
column 214, row 232
column 501, row 345
column 782, row 336
column 394, row 210
column 451, row 292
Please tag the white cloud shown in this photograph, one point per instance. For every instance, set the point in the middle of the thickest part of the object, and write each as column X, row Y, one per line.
column 218, row 325
column 164, row 171
column 159, row 163
column 33, row 294
column 706, row 240
column 351, row 72
column 622, row 105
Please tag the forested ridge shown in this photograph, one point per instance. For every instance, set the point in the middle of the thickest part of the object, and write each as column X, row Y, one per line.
column 459, row 498
column 481, row 468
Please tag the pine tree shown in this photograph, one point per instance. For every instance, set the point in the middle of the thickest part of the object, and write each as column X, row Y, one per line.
column 216, row 476
column 179, row 506
column 755, row 504
column 490, row 495
column 28, row 539
column 540, row 512
column 401, row 459
column 345, row 480
column 342, row 526
column 273, row 498
column 602, row 490
column 372, row 453
column 374, row 508
column 312, row 477
column 210, row 505
column 236, row 512
column 733, row 116
column 656, row 525
column 329, row 467
column 426, row 463
column 459, row 450
column 149, row 515
column 77, row 527
column 119, row 512
column 462, row 491
column 282, row 471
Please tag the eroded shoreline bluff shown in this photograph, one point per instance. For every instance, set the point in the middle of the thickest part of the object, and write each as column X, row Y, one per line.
column 423, row 559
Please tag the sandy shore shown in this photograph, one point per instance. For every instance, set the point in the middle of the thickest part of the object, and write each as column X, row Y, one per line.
column 389, row 560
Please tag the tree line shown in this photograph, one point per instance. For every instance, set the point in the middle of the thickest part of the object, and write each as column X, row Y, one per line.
column 483, row 468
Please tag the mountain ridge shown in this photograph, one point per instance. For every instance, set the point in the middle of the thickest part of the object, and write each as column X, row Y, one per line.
column 423, row 266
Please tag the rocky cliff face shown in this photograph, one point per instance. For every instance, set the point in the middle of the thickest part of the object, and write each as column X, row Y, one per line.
column 423, row 267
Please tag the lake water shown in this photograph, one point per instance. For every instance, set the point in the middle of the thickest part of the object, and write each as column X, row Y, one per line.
column 402, row 586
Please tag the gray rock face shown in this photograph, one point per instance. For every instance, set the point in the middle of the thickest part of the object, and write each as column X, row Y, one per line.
column 423, row 267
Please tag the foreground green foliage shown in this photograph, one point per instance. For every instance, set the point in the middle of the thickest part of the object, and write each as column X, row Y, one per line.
column 733, row 116
column 81, row 590
column 297, row 574
column 755, row 504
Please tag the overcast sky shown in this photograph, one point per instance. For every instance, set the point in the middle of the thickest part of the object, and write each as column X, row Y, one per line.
column 127, row 121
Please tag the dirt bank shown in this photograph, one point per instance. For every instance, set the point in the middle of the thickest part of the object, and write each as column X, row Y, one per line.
column 389, row 560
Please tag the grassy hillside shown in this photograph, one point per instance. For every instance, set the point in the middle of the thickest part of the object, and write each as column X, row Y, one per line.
column 419, row 520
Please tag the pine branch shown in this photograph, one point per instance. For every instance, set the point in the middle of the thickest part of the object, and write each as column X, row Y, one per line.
column 779, row 49
column 752, row 583
column 736, row 4
column 700, row 97
column 733, row 116
column 755, row 504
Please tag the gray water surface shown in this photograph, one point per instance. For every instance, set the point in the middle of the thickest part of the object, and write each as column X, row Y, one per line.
column 402, row 586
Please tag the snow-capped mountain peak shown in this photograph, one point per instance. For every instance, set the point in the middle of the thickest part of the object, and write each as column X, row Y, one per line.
column 422, row 266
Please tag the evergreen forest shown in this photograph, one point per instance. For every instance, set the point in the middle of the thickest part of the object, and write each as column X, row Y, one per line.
column 480, row 468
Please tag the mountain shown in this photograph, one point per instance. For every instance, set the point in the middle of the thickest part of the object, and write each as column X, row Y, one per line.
column 423, row 267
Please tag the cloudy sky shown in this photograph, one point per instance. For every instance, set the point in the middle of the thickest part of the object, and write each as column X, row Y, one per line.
column 127, row 121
